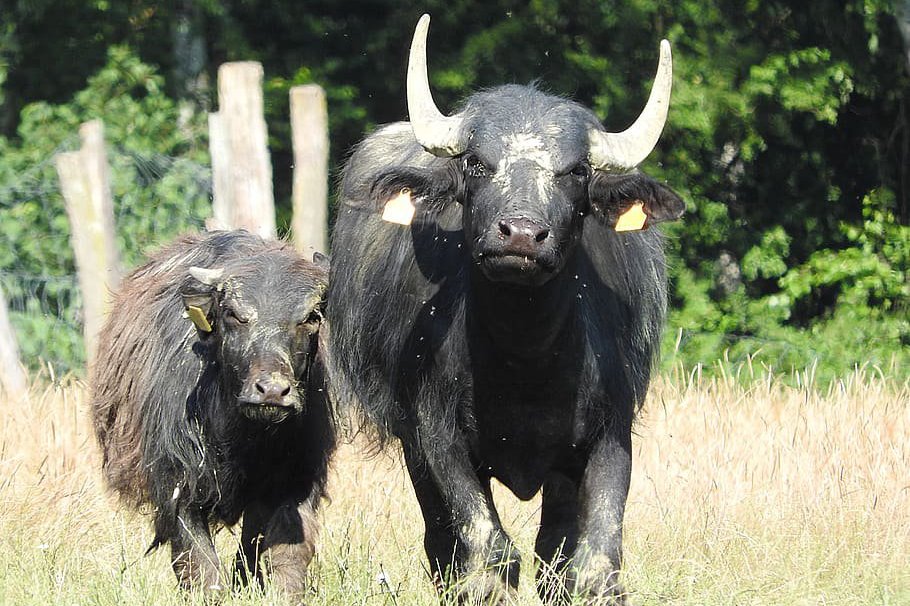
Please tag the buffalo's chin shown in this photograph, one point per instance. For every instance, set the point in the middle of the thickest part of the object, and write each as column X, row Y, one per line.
column 517, row 270
column 267, row 413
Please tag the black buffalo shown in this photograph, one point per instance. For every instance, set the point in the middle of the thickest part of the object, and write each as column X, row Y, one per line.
column 509, row 330
column 223, row 418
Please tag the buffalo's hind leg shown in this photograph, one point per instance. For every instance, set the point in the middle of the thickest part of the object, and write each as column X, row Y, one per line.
column 279, row 541
column 193, row 554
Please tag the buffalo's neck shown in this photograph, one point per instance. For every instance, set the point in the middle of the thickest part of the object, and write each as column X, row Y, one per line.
column 526, row 323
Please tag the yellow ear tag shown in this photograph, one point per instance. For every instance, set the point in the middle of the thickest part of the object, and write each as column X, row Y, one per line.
column 399, row 209
column 198, row 317
column 633, row 219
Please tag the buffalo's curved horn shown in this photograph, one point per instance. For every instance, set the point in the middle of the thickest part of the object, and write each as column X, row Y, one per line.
column 626, row 150
column 437, row 133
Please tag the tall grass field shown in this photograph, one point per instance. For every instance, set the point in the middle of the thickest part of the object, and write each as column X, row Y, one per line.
column 763, row 494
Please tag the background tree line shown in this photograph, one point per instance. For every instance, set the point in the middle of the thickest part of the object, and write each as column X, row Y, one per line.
column 788, row 137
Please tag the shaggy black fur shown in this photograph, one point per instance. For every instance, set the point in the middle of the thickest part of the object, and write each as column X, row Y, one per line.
column 207, row 426
column 507, row 333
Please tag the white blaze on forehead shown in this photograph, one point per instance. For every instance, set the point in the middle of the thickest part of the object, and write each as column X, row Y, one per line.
column 525, row 147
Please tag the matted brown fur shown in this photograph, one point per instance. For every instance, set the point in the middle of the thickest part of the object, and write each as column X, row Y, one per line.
column 174, row 408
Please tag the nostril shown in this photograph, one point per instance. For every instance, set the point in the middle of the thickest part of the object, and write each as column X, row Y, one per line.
column 504, row 228
column 286, row 391
column 542, row 235
column 260, row 388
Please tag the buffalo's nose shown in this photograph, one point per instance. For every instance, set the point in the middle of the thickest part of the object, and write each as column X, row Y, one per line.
column 521, row 235
column 273, row 388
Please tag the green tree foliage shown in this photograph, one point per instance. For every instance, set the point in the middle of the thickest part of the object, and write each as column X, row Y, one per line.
column 807, row 177
column 788, row 136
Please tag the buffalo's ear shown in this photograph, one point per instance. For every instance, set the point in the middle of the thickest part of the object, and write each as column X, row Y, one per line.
column 199, row 292
column 428, row 188
column 612, row 196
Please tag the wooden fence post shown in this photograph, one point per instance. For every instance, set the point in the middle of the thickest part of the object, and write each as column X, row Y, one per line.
column 310, row 135
column 221, row 170
column 241, row 168
column 85, row 183
column 12, row 376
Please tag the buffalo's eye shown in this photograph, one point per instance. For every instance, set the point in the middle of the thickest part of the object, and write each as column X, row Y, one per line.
column 233, row 318
column 311, row 321
column 581, row 170
column 474, row 167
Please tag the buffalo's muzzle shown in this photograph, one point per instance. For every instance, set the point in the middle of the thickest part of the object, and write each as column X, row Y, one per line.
column 522, row 237
column 518, row 250
column 269, row 397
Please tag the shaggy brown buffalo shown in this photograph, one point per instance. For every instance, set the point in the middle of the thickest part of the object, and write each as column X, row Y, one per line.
column 209, row 402
column 496, row 301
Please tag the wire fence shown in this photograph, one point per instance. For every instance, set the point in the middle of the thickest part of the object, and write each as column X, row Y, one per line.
column 156, row 197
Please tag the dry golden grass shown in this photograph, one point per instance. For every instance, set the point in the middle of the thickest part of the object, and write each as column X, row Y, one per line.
column 761, row 495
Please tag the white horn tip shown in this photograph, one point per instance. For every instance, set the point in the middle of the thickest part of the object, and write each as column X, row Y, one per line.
column 666, row 57
column 419, row 41
column 423, row 26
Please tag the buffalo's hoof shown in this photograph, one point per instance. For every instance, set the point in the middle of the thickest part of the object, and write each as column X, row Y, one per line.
column 593, row 586
column 486, row 580
column 484, row 588
column 487, row 587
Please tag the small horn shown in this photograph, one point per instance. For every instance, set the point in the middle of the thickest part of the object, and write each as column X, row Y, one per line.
column 437, row 133
column 209, row 277
column 626, row 150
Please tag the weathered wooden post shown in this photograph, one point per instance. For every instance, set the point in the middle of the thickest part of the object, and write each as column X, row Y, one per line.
column 310, row 135
column 85, row 183
column 241, row 168
column 12, row 376
column 221, row 170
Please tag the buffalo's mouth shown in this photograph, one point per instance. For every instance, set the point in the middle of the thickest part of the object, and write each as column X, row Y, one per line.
column 519, row 269
column 269, row 411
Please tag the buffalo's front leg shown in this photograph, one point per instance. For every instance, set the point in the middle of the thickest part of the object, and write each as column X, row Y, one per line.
column 279, row 541
column 472, row 558
column 557, row 538
column 193, row 554
column 593, row 574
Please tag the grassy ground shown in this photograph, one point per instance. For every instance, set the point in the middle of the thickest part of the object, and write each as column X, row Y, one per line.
column 760, row 495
